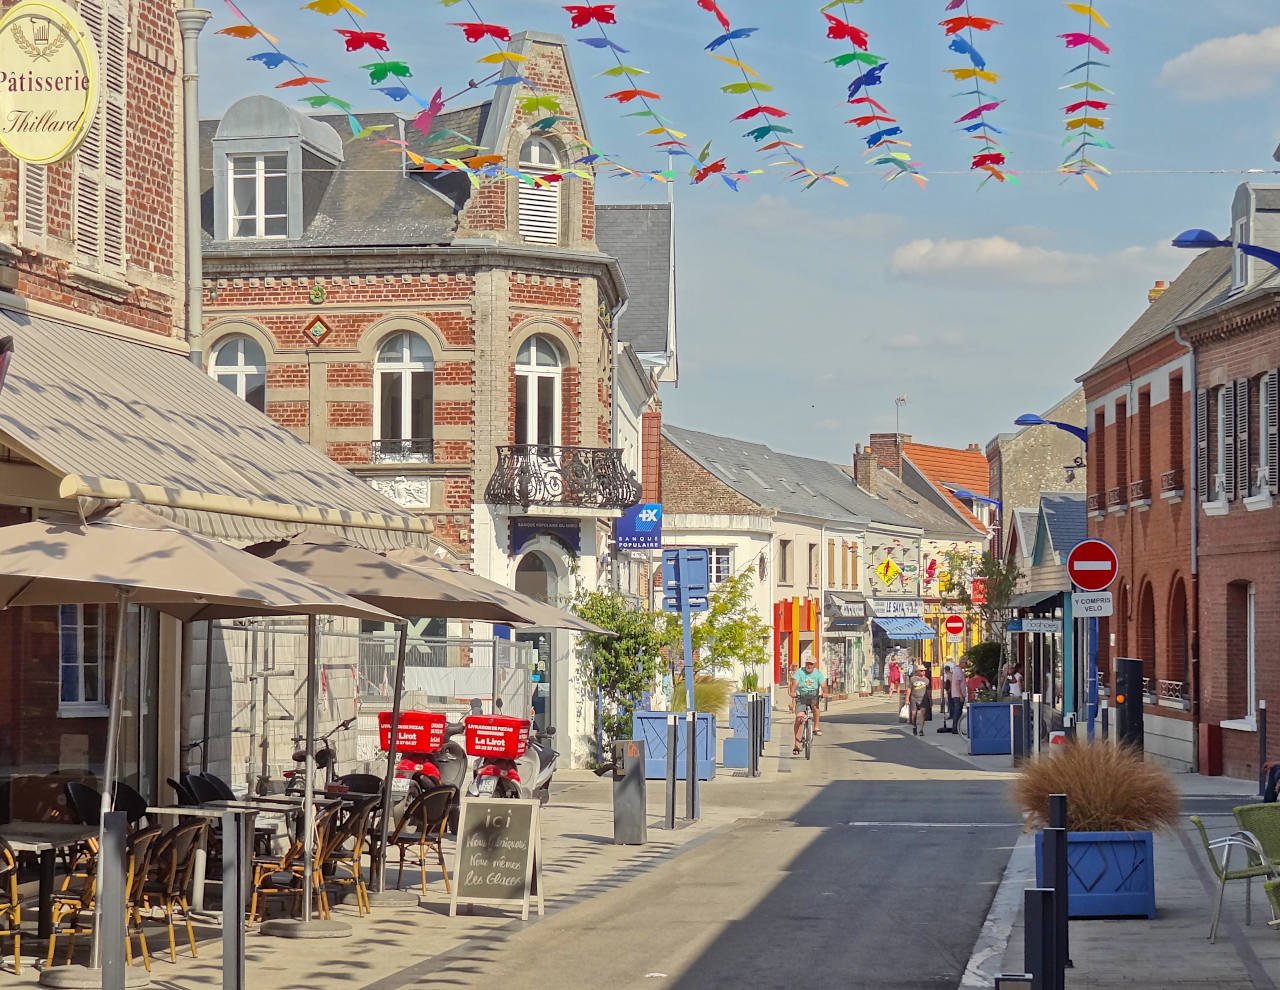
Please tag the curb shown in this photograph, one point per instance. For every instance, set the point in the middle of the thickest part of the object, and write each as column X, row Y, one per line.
column 987, row 958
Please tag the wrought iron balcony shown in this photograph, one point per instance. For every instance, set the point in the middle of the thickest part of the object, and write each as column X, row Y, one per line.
column 1096, row 502
column 1140, row 491
column 585, row 477
column 414, row 451
column 1171, row 481
column 1117, row 496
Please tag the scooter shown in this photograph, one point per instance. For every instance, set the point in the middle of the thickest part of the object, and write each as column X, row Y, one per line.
column 326, row 759
column 447, row 765
column 528, row 776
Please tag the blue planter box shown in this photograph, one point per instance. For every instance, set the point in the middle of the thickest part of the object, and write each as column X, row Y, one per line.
column 1109, row 874
column 738, row 716
column 652, row 728
column 989, row 728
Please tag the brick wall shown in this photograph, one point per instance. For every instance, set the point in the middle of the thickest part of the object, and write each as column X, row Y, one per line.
column 688, row 487
column 651, row 456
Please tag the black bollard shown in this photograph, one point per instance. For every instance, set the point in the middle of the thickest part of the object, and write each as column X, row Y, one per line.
column 1037, row 936
column 671, row 772
column 1058, row 821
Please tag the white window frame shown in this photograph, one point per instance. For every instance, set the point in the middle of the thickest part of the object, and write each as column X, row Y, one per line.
column 71, row 622
column 241, row 370
column 1239, row 260
column 404, row 369
column 538, row 158
column 721, row 564
column 260, row 176
column 532, row 372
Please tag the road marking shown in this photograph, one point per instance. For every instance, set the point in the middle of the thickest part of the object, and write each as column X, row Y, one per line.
column 987, row 957
column 936, row 824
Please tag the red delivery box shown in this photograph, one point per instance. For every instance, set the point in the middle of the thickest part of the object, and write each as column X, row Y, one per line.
column 420, row 732
column 497, row 735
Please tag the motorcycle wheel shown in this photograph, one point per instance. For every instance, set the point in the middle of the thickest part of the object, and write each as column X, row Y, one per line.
column 544, row 795
column 506, row 789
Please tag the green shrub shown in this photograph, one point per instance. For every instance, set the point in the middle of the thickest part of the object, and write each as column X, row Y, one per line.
column 983, row 659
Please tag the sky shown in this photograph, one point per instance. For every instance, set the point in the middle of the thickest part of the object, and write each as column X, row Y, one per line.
column 804, row 313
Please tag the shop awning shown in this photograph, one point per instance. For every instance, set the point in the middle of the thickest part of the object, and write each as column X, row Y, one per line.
column 115, row 419
column 1033, row 598
column 905, row 628
column 845, row 610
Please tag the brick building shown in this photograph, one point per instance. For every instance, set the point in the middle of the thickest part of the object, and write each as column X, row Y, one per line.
column 454, row 346
column 102, row 405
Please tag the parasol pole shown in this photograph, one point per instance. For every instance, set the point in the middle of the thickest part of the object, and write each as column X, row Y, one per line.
column 379, row 873
column 109, row 764
column 308, row 799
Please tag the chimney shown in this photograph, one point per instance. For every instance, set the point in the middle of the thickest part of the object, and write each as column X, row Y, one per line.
column 651, row 455
column 975, row 447
column 1157, row 291
column 888, row 450
column 865, row 467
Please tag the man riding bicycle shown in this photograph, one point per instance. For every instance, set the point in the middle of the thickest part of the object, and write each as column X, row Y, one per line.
column 807, row 686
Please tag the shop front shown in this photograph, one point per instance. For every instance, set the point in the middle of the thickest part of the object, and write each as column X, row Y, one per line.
column 796, row 631
column 899, row 630
column 846, row 655
column 1040, row 647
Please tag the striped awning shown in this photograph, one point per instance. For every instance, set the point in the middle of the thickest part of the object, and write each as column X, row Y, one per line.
column 906, row 629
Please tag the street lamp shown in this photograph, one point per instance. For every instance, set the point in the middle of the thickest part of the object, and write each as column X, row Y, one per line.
column 1031, row 419
column 1198, row 240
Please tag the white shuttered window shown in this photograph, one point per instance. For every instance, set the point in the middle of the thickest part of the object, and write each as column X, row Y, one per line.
column 32, row 203
column 539, row 204
column 99, row 218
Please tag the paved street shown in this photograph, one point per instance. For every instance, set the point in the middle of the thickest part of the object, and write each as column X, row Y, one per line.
column 827, row 885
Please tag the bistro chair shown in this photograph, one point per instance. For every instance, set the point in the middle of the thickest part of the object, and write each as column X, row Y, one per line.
column 218, row 786
column 421, row 828
column 183, row 794
column 141, row 848
column 170, row 877
column 284, row 874
column 344, row 863
column 1256, row 865
column 200, row 788
column 361, row 783
column 10, row 904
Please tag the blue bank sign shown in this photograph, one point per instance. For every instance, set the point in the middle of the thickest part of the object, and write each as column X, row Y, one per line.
column 640, row 528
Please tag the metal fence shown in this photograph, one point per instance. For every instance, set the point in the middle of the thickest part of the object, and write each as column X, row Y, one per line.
column 253, row 711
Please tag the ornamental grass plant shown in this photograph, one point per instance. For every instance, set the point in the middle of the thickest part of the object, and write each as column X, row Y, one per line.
column 1109, row 789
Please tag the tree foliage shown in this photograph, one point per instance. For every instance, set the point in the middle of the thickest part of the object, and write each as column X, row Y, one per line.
column 731, row 630
column 622, row 666
column 1001, row 579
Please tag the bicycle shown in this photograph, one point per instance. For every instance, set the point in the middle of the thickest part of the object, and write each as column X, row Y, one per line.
column 806, row 733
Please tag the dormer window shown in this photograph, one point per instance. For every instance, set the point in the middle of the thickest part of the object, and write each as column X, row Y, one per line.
column 259, row 195
column 1239, row 260
column 539, row 203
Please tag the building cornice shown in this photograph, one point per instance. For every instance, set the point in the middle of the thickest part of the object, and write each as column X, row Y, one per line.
column 1250, row 315
column 238, row 262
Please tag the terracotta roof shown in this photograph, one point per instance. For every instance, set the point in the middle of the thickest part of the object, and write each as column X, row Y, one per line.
column 949, row 466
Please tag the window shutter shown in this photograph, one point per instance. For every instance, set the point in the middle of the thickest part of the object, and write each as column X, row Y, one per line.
column 1202, row 445
column 1227, row 414
column 32, row 201
column 1270, row 395
column 1242, row 437
column 115, row 77
column 539, row 212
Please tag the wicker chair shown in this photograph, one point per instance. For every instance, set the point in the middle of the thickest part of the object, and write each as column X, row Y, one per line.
column 170, row 877
column 421, row 828
column 284, row 874
column 10, row 904
column 345, row 859
column 1256, row 865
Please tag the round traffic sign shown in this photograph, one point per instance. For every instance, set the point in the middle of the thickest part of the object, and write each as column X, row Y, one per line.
column 1092, row 565
column 954, row 625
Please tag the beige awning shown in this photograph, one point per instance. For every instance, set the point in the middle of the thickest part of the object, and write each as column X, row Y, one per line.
column 114, row 419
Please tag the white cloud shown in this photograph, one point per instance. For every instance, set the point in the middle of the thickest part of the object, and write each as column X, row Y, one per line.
column 1241, row 65
column 1027, row 264
column 777, row 214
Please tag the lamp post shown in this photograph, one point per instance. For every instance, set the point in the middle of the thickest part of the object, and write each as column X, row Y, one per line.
column 1031, row 419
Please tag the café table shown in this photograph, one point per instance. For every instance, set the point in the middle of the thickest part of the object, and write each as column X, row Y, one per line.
column 45, row 838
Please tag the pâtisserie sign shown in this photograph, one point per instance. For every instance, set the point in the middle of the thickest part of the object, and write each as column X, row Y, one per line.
column 48, row 81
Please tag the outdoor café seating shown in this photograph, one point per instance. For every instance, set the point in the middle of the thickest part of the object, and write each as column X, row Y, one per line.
column 284, row 874
column 170, row 878
column 10, row 905
column 343, row 865
column 421, row 830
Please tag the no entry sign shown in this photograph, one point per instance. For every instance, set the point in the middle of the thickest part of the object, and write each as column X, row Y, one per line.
column 1092, row 565
column 954, row 625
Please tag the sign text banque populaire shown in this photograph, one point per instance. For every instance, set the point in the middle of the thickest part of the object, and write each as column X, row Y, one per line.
column 48, row 81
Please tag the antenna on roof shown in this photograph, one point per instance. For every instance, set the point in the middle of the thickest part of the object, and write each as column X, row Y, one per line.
column 898, row 403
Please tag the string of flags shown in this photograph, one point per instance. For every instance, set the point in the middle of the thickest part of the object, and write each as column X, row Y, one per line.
column 762, row 119
column 960, row 28
column 885, row 141
column 1083, row 120
column 672, row 141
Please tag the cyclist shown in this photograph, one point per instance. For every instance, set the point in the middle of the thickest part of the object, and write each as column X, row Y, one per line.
column 807, row 687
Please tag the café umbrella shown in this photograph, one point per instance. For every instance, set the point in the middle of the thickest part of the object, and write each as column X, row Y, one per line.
column 435, row 591
column 130, row 555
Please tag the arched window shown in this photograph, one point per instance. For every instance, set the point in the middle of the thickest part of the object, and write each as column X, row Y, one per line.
column 538, row 365
column 240, row 365
column 403, row 413
column 539, row 204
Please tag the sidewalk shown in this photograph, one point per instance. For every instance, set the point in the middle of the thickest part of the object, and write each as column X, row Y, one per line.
column 1172, row 950
column 580, row 861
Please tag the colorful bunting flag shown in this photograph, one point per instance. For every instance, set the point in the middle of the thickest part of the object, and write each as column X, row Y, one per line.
column 990, row 157
column 1082, row 123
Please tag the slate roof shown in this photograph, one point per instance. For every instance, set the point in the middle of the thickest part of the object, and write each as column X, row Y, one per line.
column 785, row 482
column 937, row 523
column 1065, row 516
column 638, row 235
column 1205, row 278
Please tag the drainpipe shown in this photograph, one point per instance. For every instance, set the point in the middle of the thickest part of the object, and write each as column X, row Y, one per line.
column 1193, row 490
column 615, row 393
column 191, row 21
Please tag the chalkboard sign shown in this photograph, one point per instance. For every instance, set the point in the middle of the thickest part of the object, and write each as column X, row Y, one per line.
column 499, row 854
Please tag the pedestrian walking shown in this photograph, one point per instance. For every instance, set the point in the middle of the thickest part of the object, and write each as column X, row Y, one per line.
column 946, row 696
column 959, row 690
column 895, row 677
column 920, row 698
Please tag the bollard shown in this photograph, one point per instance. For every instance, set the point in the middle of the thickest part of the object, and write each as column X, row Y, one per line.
column 1037, row 936
column 1058, row 821
column 1054, row 852
column 1106, row 721
column 1035, row 717
column 1262, row 746
column 112, row 916
column 753, row 733
column 670, row 788
column 691, row 766
column 234, row 896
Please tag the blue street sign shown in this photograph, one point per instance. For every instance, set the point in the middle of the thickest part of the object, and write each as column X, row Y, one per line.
column 686, row 583
column 640, row 528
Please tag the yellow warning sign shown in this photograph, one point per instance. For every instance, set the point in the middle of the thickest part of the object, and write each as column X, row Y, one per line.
column 888, row 571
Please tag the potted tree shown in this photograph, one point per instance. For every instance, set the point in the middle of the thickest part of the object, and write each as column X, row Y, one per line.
column 1115, row 801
